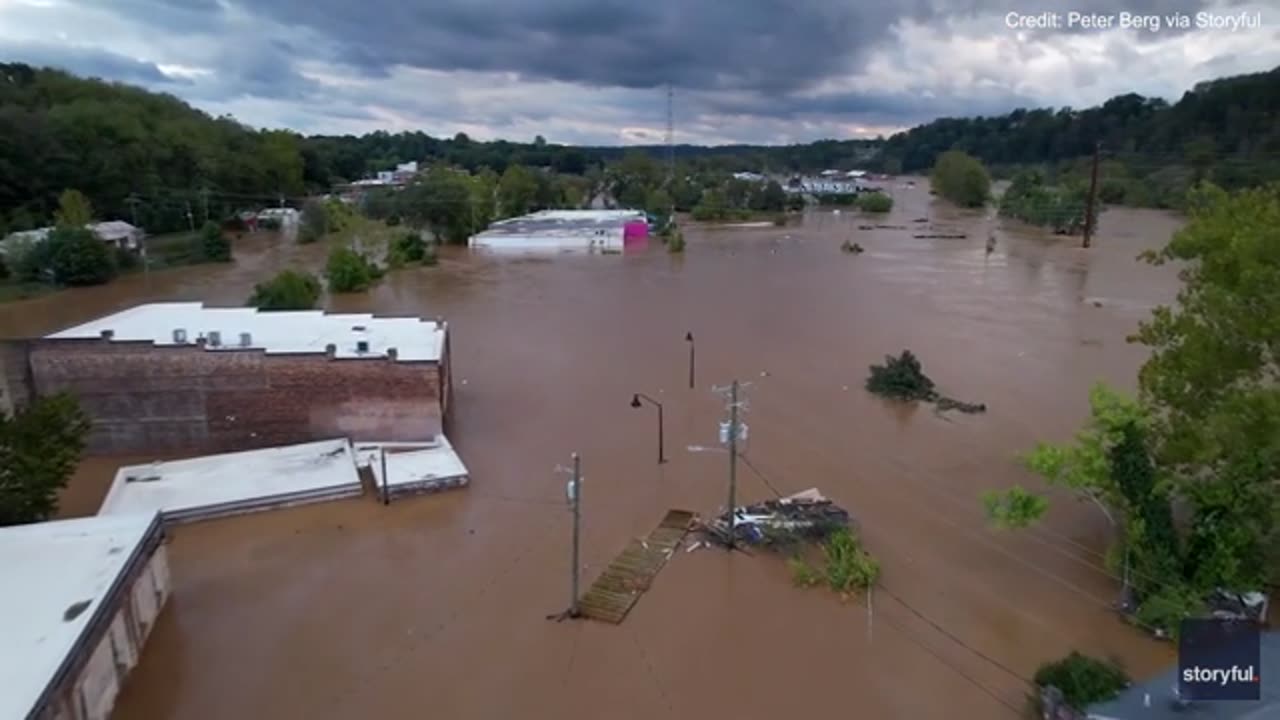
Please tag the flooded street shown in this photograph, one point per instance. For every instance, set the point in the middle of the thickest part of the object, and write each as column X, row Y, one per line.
column 435, row 606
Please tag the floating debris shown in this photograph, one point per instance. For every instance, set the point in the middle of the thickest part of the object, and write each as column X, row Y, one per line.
column 941, row 236
column 803, row 517
column 851, row 247
column 891, row 227
column 921, row 220
column 902, row 378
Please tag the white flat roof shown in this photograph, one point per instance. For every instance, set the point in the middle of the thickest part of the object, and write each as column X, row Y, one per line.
column 50, row 569
column 412, row 464
column 302, row 331
column 232, row 482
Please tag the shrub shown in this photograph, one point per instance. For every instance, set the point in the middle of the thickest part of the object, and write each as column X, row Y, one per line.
column 289, row 290
column 961, row 179
column 78, row 257
column 1083, row 680
column 212, row 245
column 1167, row 608
column 876, row 202
column 350, row 271
column 849, row 567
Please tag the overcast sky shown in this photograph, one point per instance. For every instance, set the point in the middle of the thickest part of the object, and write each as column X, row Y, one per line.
column 594, row 71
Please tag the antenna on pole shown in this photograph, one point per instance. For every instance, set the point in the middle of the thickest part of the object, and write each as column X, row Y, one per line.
column 671, row 135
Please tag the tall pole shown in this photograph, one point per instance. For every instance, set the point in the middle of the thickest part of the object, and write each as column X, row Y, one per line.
column 1089, row 202
column 191, row 219
column 662, row 457
column 733, row 463
column 577, row 526
column 689, row 337
column 386, row 482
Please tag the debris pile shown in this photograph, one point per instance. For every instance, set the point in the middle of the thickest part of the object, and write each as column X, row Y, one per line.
column 902, row 378
column 803, row 517
column 851, row 247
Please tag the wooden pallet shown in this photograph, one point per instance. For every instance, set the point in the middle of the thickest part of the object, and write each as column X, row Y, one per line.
column 618, row 588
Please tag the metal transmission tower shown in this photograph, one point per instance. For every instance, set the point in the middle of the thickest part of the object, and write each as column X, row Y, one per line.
column 671, row 136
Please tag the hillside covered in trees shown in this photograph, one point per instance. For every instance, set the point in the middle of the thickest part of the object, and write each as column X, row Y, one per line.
column 154, row 159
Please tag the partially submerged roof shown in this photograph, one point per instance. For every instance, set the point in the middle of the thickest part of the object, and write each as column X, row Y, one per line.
column 302, row 331
column 1155, row 699
column 563, row 220
column 414, row 465
column 57, row 577
column 229, row 483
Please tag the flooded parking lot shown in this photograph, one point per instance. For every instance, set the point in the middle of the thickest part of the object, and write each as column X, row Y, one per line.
column 436, row 606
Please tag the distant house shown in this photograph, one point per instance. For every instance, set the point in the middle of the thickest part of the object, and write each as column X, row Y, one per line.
column 285, row 216
column 749, row 176
column 115, row 232
column 1157, row 698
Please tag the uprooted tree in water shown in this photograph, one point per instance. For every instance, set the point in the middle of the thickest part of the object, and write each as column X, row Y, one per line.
column 902, row 378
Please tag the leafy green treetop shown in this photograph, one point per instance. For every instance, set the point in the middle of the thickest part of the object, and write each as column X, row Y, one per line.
column 39, row 449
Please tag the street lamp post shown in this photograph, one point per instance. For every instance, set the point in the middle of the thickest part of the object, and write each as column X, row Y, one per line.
column 688, row 337
column 635, row 403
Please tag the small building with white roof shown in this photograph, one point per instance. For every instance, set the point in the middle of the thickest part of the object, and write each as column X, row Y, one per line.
column 561, row 230
column 81, row 597
column 185, row 377
column 233, row 483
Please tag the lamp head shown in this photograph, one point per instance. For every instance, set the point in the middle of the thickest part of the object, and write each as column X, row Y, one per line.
column 688, row 336
column 635, row 401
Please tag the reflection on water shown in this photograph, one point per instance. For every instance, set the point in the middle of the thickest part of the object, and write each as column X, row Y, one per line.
column 435, row 606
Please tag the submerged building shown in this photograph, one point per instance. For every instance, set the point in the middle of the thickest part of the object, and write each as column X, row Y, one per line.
column 185, row 377
column 604, row 230
column 81, row 597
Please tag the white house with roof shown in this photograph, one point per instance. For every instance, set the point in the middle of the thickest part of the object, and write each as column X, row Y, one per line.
column 114, row 232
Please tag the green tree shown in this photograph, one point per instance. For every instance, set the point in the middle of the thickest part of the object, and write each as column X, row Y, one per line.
column 1083, row 680
column 350, row 271
column 314, row 221
column 213, row 244
column 876, row 202
column 40, row 446
column 288, row 290
column 1212, row 379
column 74, row 210
column 441, row 201
column 517, row 191
column 78, row 257
column 658, row 204
column 712, row 207
column 961, row 179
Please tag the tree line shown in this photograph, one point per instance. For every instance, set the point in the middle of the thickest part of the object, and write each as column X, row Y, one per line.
column 153, row 159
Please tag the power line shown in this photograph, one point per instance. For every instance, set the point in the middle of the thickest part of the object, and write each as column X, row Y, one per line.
column 793, row 422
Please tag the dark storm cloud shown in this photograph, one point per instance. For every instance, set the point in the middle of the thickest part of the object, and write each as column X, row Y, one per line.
column 89, row 62
column 762, row 45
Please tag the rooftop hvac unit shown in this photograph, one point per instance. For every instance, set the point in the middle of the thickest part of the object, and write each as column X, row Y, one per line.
column 362, row 346
column 215, row 338
column 179, row 336
column 245, row 339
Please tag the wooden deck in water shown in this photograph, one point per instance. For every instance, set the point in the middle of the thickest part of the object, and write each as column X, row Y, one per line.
column 616, row 591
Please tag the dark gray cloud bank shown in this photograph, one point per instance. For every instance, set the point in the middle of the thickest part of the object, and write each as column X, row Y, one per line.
column 594, row 70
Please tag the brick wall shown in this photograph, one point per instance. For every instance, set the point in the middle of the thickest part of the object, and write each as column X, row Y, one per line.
column 144, row 398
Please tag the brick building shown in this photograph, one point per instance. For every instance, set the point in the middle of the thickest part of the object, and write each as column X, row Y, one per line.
column 181, row 376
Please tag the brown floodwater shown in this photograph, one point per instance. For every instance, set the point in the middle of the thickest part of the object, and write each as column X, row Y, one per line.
column 436, row 606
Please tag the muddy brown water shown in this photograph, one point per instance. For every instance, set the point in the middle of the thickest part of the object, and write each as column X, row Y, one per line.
column 435, row 606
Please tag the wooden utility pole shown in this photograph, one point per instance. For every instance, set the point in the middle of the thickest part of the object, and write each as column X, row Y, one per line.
column 1090, row 203
column 733, row 463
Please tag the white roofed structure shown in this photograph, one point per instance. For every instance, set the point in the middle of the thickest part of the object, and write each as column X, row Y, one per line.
column 565, row 230
column 67, row 637
column 302, row 331
column 232, row 483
